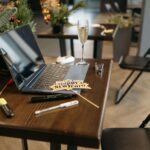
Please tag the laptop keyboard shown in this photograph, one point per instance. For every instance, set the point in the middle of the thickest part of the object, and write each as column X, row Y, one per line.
column 52, row 73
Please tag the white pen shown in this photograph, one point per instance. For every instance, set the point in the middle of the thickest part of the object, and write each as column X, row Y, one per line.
column 63, row 105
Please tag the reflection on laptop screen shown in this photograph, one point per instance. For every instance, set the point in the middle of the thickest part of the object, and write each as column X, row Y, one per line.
column 21, row 52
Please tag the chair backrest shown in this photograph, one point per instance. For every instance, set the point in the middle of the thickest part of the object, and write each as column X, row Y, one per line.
column 126, row 138
column 121, row 42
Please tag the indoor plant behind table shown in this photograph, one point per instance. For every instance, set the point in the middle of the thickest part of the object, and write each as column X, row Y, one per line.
column 56, row 14
column 14, row 13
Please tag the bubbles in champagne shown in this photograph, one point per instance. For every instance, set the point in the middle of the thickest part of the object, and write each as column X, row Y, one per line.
column 83, row 34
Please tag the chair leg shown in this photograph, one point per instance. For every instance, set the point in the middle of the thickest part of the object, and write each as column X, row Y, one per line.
column 128, row 77
column 55, row 146
column 71, row 147
column 24, row 144
column 120, row 95
column 145, row 121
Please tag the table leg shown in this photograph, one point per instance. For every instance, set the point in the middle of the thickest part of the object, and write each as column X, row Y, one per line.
column 24, row 144
column 72, row 47
column 71, row 147
column 55, row 146
column 62, row 45
column 97, row 52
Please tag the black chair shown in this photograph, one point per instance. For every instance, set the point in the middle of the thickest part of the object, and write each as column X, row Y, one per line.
column 127, row 138
column 135, row 63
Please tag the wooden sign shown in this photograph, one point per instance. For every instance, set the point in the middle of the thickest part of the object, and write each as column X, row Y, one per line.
column 69, row 85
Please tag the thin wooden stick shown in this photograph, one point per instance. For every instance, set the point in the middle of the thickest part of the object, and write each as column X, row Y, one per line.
column 86, row 99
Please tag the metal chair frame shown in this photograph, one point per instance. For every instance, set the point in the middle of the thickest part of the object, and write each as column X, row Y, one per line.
column 120, row 95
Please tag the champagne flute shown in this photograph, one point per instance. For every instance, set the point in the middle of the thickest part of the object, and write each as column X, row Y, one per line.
column 83, row 27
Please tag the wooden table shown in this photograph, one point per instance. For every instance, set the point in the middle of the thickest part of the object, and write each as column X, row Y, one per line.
column 71, row 33
column 76, row 126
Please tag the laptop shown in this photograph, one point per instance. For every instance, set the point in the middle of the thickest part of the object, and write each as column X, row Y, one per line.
column 27, row 67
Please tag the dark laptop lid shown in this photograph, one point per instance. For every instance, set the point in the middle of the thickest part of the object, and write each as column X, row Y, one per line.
column 21, row 53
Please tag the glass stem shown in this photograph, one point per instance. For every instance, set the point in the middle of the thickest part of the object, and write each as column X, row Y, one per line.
column 82, row 59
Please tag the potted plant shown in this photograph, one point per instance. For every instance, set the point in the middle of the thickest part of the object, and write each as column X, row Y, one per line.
column 56, row 14
column 14, row 13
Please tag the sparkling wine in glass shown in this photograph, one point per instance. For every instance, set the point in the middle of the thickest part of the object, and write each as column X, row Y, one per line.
column 83, row 27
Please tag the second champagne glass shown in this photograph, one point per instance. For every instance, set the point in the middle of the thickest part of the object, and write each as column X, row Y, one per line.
column 83, row 27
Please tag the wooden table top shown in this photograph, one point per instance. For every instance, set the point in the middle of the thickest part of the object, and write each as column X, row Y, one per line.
column 80, row 125
column 71, row 33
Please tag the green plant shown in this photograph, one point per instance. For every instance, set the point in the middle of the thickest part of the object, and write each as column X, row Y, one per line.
column 56, row 13
column 21, row 16
column 122, row 21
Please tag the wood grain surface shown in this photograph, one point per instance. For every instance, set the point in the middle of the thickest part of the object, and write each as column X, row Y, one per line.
column 79, row 125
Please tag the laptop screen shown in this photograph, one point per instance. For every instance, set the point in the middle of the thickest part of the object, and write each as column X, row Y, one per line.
column 21, row 53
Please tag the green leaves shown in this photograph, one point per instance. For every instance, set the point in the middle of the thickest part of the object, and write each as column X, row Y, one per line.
column 60, row 16
column 21, row 16
column 122, row 21
column 6, row 15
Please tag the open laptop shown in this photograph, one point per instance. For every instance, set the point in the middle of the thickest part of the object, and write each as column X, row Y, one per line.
column 27, row 67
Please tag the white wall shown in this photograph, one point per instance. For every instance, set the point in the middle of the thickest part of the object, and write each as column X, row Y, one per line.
column 145, row 29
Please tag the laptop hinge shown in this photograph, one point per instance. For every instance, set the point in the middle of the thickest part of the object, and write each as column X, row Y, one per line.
column 34, row 76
